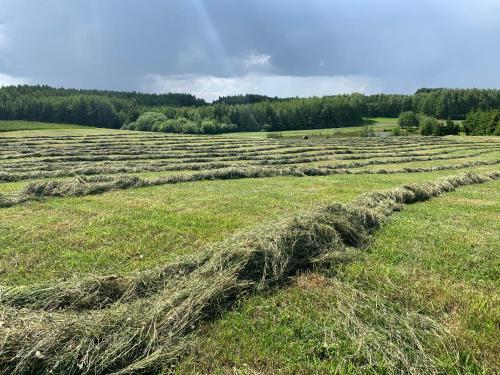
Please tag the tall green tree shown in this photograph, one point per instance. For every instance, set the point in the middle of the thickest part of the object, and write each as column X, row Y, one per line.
column 408, row 120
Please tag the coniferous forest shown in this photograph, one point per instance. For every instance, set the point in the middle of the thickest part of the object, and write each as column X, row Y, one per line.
column 184, row 113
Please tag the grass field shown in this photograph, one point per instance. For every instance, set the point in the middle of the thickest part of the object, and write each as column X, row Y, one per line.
column 227, row 254
column 378, row 124
column 9, row 126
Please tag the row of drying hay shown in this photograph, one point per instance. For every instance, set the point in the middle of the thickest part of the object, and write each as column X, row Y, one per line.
column 270, row 155
column 244, row 153
column 285, row 155
column 45, row 163
column 28, row 150
column 193, row 164
column 368, row 160
column 29, row 147
column 411, row 159
column 132, row 157
column 92, row 185
column 139, row 154
column 441, row 150
column 108, row 170
column 133, row 149
column 53, row 167
column 99, row 292
column 26, row 145
column 128, row 154
column 117, row 138
column 391, row 142
column 105, row 147
column 158, row 153
column 147, row 333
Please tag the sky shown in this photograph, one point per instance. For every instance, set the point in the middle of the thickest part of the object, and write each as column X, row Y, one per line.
column 212, row 48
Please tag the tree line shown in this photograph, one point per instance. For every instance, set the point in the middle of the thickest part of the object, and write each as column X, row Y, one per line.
column 186, row 113
column 477, row 122
column 141, row 99
column 110, row 109
column 247, row 99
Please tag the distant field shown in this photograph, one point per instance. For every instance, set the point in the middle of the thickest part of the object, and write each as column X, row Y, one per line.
column 378, row 124
column 8, row 126
column 113, row 237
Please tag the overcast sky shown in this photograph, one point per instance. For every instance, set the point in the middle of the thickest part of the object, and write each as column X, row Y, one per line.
column 274, row 47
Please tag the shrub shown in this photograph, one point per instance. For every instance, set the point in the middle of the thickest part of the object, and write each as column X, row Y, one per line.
column 396, row 131
column 428, row 125
column 158, row 122
column 367, row 131
column 214, row 127
column 148, row 121
column 431, row 126
column 449, row 127
column 408, row 120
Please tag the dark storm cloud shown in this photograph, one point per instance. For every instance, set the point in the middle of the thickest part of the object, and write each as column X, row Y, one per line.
column 285, row 47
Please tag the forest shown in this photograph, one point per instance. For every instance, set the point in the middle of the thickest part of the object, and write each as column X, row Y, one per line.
column 482, row 123
column 184, row 113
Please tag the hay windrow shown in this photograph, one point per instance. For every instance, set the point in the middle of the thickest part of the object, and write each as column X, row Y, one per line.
column 142, row 334
column 100, row 291
column 92, row 185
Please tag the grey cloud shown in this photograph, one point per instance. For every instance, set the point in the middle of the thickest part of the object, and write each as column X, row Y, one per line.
column 121, row 44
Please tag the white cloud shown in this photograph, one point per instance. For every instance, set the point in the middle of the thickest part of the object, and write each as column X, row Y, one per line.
column 211, row 87
column 8, row 80
column 257, row 60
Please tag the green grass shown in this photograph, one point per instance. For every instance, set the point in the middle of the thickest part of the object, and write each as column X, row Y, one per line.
column 434, row 268
column 19, row 129
column 15, row 125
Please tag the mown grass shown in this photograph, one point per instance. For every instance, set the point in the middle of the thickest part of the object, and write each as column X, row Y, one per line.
column 423, row 298
column 136, row 229
column 433, row 266
column 122, row 231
